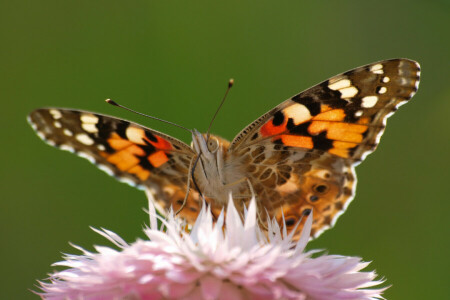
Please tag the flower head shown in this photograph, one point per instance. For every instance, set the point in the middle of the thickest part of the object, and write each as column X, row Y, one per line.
column 209, row 262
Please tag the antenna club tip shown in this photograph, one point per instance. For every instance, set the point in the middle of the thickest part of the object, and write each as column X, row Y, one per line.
column 109, row 101
column 230, row 82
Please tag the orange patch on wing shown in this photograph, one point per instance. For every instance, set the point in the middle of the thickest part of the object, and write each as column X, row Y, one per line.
column 340, row 131
column 364, row 120
column 269, row 129
column 341, row 148
column 161, row 143
column 140, row 172
column 317, row 127
column 297, row 141
column 123, row 160
column 118, row 143
column 343, row 145
column 324, row 108
column 131, row 148
column 157, row 159
column 339, row 152
column 136, row 150
column 114, row 135
column 344, row 136
column 331, row 115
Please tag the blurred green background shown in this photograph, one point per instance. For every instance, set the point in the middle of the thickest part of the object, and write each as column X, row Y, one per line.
column 172, row 59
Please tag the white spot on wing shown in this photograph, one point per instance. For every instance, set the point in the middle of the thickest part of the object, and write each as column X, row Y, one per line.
column 67, row 148
column 340, row 84
column 402, row 103
column 400, row 67
column 31, row 123
column 127, row 181
column 386, row 79
column 377, row 69
column 416, row 84
column 135, row 135
column 369, row 101
column 56, row 114
column 101, row 147
column 89, row 118
column 348, row 92
column 298, row 113
column 382, row 90
column 344, row 86
column 87, row 156
column 84, row 139
column 57, row 124
column 106, row 169
column 358, row 113
column 386, row 117
column 67, row 132
column 41, row 135
column 89, row 127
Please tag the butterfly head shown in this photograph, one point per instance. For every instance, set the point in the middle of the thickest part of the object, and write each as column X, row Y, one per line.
column 209, row 146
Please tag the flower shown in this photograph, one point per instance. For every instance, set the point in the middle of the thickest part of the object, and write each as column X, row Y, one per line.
column 209, row 262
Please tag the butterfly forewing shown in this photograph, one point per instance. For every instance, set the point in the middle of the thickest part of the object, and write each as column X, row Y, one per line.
column 343, row 115
column 134, row 154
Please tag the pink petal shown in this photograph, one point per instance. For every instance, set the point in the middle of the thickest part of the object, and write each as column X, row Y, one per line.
column 210, row 287
column 230, row 291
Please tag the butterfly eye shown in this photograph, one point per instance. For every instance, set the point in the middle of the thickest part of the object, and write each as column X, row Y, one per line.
column 213, row 144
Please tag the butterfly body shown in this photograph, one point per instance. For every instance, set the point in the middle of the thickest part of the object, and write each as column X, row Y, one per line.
column 296, row 159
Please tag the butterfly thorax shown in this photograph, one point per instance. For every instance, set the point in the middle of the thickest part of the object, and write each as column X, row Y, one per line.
column 215, row 176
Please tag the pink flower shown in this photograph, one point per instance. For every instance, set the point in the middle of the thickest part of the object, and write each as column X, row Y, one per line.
column 210, row 263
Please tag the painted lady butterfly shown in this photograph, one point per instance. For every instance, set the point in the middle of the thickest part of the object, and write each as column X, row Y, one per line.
column 298, row 157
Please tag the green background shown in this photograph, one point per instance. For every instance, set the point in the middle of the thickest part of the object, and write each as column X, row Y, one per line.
column 172, row 59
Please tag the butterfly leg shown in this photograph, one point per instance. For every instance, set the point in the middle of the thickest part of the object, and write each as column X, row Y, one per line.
column 188, row 186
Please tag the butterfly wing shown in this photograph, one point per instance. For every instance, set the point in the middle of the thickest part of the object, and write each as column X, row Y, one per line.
column 134, row 154
column 300, row 156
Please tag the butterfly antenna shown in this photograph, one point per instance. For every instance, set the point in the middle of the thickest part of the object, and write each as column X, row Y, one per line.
column 230, row 84
column 151, row 117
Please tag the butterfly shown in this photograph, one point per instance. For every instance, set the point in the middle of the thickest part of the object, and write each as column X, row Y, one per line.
column 297, row 158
